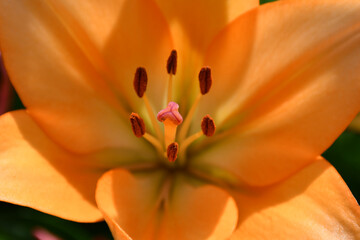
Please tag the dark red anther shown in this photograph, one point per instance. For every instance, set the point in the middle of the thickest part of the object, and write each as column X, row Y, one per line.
column 208, row 126
column 172, row 63
column 172, row 151
column 140, row 81
column 205, row 80
column 137, row 124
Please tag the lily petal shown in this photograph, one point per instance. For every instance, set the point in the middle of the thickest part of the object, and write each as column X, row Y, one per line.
column 28, row 159
column 140, row 38
column 133, row 207
column 315, row 203
column 193, row 25
column 251, row 58
column 57, row 68
column 128, row 203
column 197, row 22
column 296, row 85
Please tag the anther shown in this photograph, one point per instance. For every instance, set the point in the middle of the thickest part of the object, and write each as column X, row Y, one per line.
column 172, row 151
column 140, row 81
column 172, row 63
column 137, row 124
column 205, row 80
column 208, row 126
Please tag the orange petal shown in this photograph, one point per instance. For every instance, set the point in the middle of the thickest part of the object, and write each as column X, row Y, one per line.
column 140, row 38
column 315, row 203
column 61, row 73
column 252, row 59
column 133, row 206
column 197, row 22
column 193, row 25
column 128, row 203
column 293, row 88
column 38, row 174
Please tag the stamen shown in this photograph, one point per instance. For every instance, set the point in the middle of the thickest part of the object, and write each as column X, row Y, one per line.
column 171, row 118
column 172, row 151
column 137, row 125
column 171, row 67
column 208, row 126
column 152, row 116
column 140, row 81
column 205, row 80
column 140, row 84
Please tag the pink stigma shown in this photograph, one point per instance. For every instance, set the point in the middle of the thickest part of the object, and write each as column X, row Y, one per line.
column 170, row 112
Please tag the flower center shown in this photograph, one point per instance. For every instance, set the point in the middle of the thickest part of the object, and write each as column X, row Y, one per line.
column 170, row 143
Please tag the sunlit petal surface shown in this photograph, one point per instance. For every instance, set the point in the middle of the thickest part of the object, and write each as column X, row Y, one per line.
column 314, row 203
column 66, row 79
column 151, row 206
column 292, row 87
column 193, row 25
column 36, row 173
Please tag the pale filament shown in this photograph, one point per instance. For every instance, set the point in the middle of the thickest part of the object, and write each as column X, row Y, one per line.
column 186, row 124
column 189, row 140
column 152, row 117
column 170, row 83
column 156, row 143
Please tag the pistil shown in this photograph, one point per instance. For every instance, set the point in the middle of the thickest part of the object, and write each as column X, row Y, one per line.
column 171, row 118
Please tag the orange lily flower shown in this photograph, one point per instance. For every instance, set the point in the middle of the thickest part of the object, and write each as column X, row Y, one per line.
column 285, row 85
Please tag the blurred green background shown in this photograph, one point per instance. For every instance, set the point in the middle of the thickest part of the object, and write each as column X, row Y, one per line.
column 17, row 223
